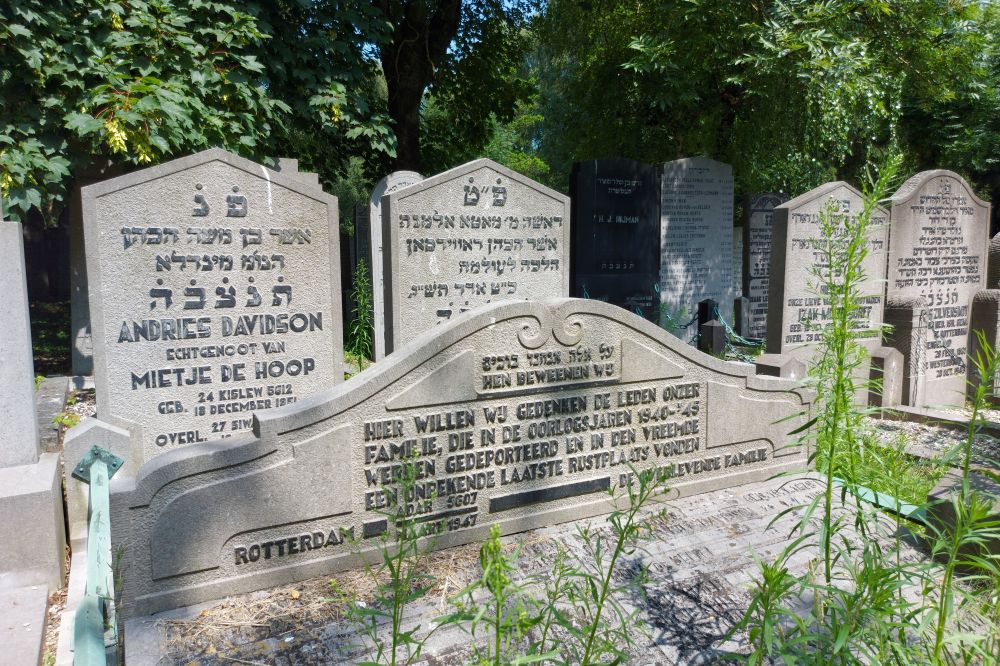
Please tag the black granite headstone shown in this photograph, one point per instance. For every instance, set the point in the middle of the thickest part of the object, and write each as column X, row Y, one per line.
column 616, row 233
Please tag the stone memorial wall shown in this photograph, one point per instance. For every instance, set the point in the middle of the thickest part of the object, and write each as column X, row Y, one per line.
column 696, row 236
column 757, row 221
column 797, row 310
column 938, row 247
column 616, row 233
column 396, row 180
column 521, row 414
column 476, row 234
column 214, row 293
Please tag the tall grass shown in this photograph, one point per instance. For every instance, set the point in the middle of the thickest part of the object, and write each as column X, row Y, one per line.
column 860, row 600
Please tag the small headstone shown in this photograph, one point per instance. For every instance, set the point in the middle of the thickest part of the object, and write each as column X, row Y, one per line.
column 712, row 338
column 696, row 237
column 616, row 233
column 477, row 234
column 797, row 310
column 741, row 316
column 31, row 509
column 757, row 220
column 521, row 415
column 938, row 249
column 396, row 180
column 214, row 293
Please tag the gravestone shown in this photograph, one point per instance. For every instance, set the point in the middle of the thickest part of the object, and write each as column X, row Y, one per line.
column 797, row 310
column 738, row 267
column 938, row 243
column 395, row 181
column 31, row 515
column 476, row 234
column 214, row 292
column 696, row 237
column 616, row 233
column 520, row 414
column 757, row 220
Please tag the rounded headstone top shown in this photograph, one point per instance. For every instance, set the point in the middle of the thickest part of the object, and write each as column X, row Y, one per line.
column 396, row 180
column 914, row 183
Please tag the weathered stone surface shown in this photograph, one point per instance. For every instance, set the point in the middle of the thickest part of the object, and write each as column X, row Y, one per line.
column 22, row 627
column 757, row 238
column 797, row 312
column 906, row 330
column 477, row 234
column 985, row 319
column 31, row 520
column 18, row 428
column 939, row 231
column 214, row 292
column 616, row 233
column 395, row 181
column 696, row 236
column 738, row 268
column 519, row 414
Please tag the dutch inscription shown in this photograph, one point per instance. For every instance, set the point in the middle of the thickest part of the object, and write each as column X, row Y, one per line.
column 477, row 234
column 216, row 297
column 521, row 415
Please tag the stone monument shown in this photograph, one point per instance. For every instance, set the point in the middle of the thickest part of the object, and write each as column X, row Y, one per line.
column 616, row 233
column 938, row 244
column 696, row 237
column 476, row 234
column 395, row 181
column 519, row 414
column 757, row 219
column 214, row 292
column 31, row 509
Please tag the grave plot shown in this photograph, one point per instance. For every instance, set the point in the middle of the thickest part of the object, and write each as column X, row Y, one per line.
column 521, row 414
column 396, row 180
column 477, row 234
column 757, row 239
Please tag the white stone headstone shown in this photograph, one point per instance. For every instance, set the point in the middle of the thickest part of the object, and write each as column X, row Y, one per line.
column 214, row 293
column 938, row 248
column 696, row 241
column 477, row 234
column 797, row 309
column 395, row 181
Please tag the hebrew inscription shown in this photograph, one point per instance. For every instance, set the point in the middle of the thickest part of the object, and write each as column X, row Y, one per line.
column 477, row 234
column 216, row 297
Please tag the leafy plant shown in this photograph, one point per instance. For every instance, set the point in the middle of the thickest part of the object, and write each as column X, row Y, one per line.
column 399, row 579
column 362, row 325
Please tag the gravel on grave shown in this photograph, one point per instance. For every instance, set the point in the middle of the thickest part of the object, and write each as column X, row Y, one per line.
column 699, row 560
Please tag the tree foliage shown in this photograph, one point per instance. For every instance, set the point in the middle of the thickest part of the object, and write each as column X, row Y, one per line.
column 792, row 93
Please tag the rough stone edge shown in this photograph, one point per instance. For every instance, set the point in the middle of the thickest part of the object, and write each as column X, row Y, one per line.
column 916, row 181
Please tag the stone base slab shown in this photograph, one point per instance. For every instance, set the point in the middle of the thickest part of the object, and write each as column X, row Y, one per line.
column 22, row 624
column 31, row 520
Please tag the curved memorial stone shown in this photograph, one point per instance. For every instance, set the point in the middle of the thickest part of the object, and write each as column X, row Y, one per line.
column 938, row 245
column 520, row 413
column 214, row 292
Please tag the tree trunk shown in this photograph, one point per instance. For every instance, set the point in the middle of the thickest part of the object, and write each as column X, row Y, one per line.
column 421, row 35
